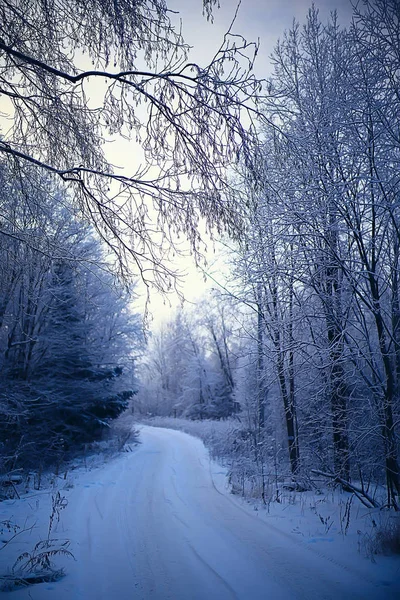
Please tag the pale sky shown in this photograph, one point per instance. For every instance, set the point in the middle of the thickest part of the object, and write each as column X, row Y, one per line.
column 257, row 19
column 265, row 20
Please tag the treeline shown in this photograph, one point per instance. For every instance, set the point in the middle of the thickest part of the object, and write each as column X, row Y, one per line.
column 317, row 270
column 66, row 330
column 189, row 369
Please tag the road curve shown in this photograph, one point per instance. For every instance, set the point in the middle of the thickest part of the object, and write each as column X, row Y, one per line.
column 152, row 526
column 162, row 531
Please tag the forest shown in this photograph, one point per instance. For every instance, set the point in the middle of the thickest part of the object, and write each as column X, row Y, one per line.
column 67, row 332
column 248, row 445
column 294, row 177
column 302, row 344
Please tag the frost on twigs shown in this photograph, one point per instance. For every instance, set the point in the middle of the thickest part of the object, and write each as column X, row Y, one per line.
column 383, row 538
column 38, row 565
column 78, row 76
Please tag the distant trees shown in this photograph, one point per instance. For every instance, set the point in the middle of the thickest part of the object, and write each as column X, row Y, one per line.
column 66, row 331
column 77, row 75
column 189, row 368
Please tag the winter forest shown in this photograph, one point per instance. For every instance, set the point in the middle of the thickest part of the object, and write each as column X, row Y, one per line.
column 303, row 343
column 288, row 364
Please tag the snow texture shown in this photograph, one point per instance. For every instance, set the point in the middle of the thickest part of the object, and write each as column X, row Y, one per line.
column 158, row 523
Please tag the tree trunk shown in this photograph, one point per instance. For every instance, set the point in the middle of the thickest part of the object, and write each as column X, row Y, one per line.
column 261, row 388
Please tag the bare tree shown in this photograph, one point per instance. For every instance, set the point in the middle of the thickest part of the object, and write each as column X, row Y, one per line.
column 185, row 121
column 335, row 96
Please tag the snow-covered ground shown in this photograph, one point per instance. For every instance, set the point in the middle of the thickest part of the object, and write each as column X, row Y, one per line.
column 158, row 523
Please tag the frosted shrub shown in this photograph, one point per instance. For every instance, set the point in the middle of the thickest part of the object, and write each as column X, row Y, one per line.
column 386, row 537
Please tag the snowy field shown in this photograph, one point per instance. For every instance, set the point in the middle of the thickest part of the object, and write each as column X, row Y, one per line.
column 160, row 523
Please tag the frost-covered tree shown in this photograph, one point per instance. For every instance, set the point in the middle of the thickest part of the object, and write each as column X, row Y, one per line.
column 189, row 367
column 320, row 255
column 77, row 75
column 66, row 333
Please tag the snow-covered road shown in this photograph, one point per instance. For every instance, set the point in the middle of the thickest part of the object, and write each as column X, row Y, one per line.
column 152, row 525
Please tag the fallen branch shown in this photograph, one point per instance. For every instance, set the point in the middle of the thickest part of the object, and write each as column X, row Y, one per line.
column 349, row 487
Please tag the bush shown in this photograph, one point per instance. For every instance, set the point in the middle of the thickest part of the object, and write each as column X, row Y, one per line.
column 384, row 538
column 387, row 537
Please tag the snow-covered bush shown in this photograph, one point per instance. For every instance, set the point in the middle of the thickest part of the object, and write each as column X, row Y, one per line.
column 384, row 538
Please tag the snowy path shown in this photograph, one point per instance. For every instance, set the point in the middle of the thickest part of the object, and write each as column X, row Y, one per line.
column 151, row 525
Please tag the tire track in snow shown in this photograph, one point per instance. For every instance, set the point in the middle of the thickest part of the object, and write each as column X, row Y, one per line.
column 213, row 572
column 156, row 527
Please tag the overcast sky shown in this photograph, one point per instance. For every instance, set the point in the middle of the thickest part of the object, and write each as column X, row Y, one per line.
column 265, row 20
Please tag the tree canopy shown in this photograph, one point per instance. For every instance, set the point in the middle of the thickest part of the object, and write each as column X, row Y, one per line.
column 78, row 74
